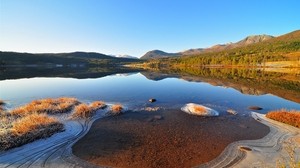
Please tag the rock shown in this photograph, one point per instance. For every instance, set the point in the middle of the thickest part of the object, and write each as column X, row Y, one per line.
column 196, row 109
column 244, row 148
column 151, row 109
column 231, row 111
column 152, row 100
column 255, row 108
column 155, row 118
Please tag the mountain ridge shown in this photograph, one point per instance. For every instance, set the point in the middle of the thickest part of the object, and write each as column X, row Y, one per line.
column 73, row 58
column 252, row 39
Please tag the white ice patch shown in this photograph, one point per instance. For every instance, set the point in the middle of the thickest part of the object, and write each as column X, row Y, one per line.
column 197, row 109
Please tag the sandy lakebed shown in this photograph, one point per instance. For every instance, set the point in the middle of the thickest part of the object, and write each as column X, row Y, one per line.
column 167, row 138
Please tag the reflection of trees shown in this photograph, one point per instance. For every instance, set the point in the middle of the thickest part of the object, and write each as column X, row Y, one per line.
column 249, row 81
column 68, row 72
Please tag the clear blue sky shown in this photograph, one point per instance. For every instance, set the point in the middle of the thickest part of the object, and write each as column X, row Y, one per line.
column 134, row 27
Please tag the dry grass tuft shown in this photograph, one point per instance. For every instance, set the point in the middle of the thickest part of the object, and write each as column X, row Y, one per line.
column 49, row 106
column 116, row 109
column 82, row 111
column 32, row 122
column 87, row 111
column 97, row 105
column 18, row 131
column 291, row 117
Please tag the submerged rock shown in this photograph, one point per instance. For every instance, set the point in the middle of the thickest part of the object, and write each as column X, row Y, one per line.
column 155, row 118
column 255, row 108
column 150, row 109
column 152, row 100
column 233, row 112
column 197, row 109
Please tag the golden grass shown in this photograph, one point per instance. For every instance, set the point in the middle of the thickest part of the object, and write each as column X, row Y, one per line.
column 49, row 106
column 291, row 117
column 82, row 111
column 18, row 131
column 116, row 109
column 97, row 105
column 87, row 111
column 31, row 122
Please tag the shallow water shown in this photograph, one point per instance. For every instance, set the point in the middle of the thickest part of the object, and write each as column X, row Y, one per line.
column 134, row 89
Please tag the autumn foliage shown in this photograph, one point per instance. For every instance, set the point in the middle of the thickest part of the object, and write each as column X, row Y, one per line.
column 291, row 117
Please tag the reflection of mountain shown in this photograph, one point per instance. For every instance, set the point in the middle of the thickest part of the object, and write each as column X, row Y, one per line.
column 156, row 76
column 247, row 81
column 69, row 72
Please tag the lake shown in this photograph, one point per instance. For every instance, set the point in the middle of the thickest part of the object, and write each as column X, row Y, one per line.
column 220, row 89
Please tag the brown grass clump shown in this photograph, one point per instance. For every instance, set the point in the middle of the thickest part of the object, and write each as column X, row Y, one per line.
column 291, row 117
column 31, row 122
column 97, row 105
column 18, row 131
column 82, row 111
column 49, row 106
column 116, row 109
column 87, row 111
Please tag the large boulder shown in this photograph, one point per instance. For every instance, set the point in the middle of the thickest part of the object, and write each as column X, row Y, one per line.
column 197, row 109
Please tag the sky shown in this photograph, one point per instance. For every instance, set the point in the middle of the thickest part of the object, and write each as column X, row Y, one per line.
column 134, row 27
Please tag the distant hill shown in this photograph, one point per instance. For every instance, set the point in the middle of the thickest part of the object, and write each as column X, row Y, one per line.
column 219, row 47
column 252, row 51
column 125, row 56
column 60, row 59
column 158, row 54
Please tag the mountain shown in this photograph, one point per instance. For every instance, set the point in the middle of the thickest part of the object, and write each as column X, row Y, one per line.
column 125, row 56
column 158, row 54
column 61, row 59
column 281, row 51
column 219, row 47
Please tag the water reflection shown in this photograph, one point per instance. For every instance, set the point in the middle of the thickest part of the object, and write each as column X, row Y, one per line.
column 215, row 88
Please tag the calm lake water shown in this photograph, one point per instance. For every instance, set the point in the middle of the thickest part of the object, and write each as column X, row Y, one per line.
column 135, row 88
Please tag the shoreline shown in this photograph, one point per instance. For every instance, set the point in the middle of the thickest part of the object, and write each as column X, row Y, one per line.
column 56, row 151
column 264, row 152
column 169, row 138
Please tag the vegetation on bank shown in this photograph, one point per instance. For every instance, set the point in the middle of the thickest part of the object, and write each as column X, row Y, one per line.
column 291, row 117
column 48, row 106
column 75, row 59
column 116, row 109
column 87, row 111
column 283, row 48
column 16, row 131
column 40, row 119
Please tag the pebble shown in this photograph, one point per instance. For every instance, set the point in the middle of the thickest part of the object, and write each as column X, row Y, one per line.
column 152, row 100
